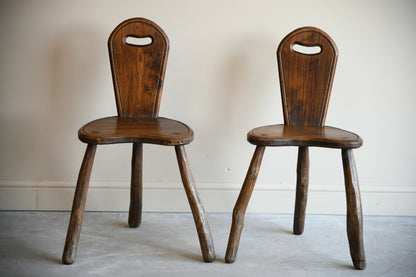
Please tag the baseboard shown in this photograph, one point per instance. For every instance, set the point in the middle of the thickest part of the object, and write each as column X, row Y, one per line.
column 170, row 197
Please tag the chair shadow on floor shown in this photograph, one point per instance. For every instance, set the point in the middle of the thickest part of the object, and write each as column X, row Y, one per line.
column 159, row 230
column 281, row 231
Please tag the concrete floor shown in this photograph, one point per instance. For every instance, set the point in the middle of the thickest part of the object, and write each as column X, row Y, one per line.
column 166, row 244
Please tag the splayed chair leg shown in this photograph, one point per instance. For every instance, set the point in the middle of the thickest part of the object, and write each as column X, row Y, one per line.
column 241, row 205
column 201, row 222
column 136, row 187
column 354, row 210
column 78, row 206
column 301, row 190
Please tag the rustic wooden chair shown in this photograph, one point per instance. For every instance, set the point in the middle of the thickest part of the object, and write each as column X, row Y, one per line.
column 138, row 51
column 305, row 82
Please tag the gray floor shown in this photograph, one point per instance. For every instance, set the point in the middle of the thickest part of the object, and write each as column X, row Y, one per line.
column 166, row 244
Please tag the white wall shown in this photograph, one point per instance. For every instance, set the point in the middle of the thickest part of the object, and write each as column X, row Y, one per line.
column 222, row 80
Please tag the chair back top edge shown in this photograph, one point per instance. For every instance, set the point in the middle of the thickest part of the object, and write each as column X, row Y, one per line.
column 138, row 50
column 307, row 59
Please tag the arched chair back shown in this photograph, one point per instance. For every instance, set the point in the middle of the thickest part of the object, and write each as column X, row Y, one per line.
column 138, row 51
column 307, row 58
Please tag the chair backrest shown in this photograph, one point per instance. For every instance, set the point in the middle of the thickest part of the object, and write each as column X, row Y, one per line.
column 138, row 51
column 305, row 77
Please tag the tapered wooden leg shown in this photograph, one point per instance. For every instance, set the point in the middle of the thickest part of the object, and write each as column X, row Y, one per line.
column 136, row 187
column 201, row 222
column 301, row 189
column 78, row 206
column 354, row 210
column 241, row 205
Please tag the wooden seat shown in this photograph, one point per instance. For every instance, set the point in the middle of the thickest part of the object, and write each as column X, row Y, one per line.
column 138, row 53
column 305, row 84
column 287, row 135
column 116, row 129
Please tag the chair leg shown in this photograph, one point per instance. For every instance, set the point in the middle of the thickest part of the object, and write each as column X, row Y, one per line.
column 354, row 210
column 301, row 190
column 201, row 222
column 241, row 205
column 136, row 187
column 78, row 206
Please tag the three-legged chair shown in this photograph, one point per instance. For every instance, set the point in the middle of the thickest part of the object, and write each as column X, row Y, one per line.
column 305, row 83
column 138, row 53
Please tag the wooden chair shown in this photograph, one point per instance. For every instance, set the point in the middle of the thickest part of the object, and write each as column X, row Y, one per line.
column 305, row 82
column 138, row 53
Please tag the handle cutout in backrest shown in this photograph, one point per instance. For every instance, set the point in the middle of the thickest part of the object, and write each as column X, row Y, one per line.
column 138, row 41
column 306, row 50
column 138, row 51
column 307, row 59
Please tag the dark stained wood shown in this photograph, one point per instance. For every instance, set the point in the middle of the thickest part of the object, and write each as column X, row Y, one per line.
column 115, row 129
column 241, row 204
column 354, row 210
column 78, row 206
column 301, row 190
column 306, row 80
column 138, row 71
column 305, row 83
column 201, row 222
column 283, row 135
column 136, row 187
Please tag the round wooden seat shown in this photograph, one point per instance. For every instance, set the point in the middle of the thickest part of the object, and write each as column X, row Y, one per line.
column 284, row 135
column 116, row 129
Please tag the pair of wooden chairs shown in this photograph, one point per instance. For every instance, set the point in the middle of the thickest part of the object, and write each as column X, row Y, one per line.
column 138, row 53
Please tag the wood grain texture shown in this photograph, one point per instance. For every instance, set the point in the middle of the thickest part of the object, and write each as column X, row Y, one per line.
column 284, row 135
column 116, row 129
column 305, row 83
column 138, row 71
column 78, row 206
column 198, row 212
column 354, row 210
column 241, row 205
column 136, row 186
column 302, row 182
column 306, row 80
